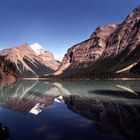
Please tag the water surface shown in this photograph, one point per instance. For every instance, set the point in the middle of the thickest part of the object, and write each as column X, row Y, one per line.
column 71, row 110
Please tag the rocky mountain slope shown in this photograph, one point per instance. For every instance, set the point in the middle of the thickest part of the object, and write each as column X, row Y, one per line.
column 31, row 61
column 111, row 51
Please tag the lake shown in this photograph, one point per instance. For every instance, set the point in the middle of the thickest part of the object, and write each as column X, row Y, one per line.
column 70, row 110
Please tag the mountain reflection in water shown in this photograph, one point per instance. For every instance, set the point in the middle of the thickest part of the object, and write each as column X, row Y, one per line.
column 72, row 110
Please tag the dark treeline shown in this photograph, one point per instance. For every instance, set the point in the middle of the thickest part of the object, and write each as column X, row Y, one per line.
column 6, row 66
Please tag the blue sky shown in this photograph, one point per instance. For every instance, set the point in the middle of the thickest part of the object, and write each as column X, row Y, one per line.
column 57, row 24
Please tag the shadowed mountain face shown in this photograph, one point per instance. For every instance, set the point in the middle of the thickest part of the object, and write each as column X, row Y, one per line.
column 30, row 63
column 111, row 51
column 8, row 73
column 112, row 108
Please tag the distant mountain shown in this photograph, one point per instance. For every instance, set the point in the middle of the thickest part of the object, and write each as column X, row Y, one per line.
column 31, row 60
column 111, row 51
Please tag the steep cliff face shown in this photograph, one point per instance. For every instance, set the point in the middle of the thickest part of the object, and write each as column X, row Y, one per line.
column 29, row 63
column 91, row 49
column 111, row 50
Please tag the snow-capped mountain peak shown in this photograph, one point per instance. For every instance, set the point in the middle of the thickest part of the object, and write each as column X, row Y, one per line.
column 37, row 48
column 46, row 56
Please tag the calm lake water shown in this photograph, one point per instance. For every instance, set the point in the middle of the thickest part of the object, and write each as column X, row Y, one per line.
column 71, row 110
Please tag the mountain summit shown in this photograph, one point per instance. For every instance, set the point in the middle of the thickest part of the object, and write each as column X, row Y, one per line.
column 37, row 48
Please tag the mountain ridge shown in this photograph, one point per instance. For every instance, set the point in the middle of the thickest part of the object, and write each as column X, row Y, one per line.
column 108, row 52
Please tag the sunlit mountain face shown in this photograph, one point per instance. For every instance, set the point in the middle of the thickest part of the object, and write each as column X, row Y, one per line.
column 31, row 60
column 68, row 110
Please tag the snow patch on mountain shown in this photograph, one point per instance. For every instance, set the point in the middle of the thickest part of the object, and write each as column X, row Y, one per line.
column 37, row 48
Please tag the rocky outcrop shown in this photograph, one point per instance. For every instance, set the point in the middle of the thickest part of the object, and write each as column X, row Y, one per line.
column 111, row 51
column 29, row 63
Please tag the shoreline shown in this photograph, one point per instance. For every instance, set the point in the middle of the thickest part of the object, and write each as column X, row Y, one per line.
column 80, row 79
column 36, row 78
